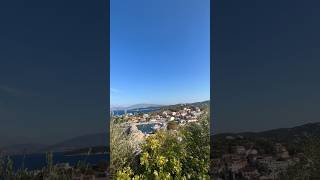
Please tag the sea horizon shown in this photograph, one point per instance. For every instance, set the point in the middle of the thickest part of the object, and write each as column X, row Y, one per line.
column 157, row 104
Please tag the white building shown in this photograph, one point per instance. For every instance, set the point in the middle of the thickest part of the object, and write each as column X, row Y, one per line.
column 252, row 152
column 192, row 120
column 145, row 115
column 236, row 165
column 240, row 150
column 165, row 113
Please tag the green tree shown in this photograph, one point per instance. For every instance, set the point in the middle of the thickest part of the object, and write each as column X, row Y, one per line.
column 122, row 151
column 49, row 161
column 308, row 166
column 9, row 169
column 161, row 158
column 196, row 138
column 174, row 155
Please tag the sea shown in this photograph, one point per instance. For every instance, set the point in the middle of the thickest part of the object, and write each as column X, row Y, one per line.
column 134, row 111
column 146, row 128
column 38, row 161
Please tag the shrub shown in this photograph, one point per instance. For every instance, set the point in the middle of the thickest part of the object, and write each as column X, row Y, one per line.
column 174, row 155
column 196, row 139
column 172, row 125
column 308, row 166
column 121, row 150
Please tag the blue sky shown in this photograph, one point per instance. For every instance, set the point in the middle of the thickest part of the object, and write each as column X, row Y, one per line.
column 266, row 64
column 52, row 70
column 159, row 51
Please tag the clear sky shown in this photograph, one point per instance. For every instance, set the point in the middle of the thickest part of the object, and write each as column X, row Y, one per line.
column 52, row 70
column 159, row 51
column 266, row 64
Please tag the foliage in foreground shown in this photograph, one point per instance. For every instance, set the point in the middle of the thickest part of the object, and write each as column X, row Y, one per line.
column 309, row 165
column 49, row 172
column 121, row 149
column 183, row 154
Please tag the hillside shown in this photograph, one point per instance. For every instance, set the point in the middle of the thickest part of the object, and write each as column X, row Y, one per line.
column 91, row 150
column 135, row 106
column 177, row 106
column 294, row 134
column 76, row 143
column 22, row 148
column 91, row 140
column 145, row 106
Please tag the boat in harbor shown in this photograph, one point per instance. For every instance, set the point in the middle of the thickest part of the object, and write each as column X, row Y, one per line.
column 156, row 126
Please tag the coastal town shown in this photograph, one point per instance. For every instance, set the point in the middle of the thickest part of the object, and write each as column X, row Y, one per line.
column 161, row 138
column 169, row 119
column 244, row 159
column 138, row 126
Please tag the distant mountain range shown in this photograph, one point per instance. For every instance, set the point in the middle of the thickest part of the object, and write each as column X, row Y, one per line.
column 136, row 106
column 80, row 142
column 144, row 106
column 200, row 103
column 22, row 148
column 90, row 140
column 294, row 134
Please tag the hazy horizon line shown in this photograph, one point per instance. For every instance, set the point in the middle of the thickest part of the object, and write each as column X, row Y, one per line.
column 161, row 104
